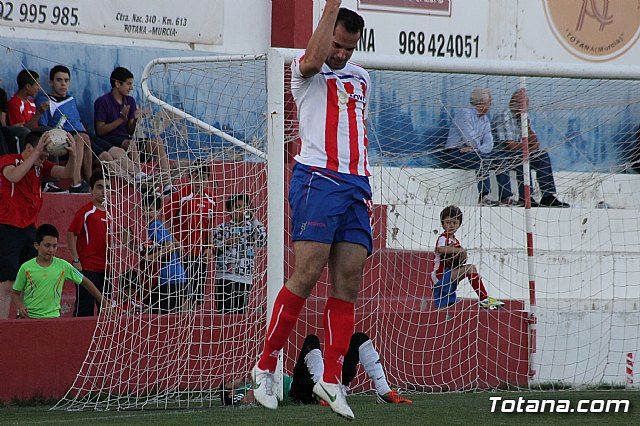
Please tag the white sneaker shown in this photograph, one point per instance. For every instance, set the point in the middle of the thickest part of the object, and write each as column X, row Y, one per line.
column 263, row 388
column 336, row 396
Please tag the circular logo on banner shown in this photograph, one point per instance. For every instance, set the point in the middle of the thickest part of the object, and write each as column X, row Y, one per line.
column 594, row 30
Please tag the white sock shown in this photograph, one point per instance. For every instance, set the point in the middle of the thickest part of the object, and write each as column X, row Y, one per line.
column 315, row 364
column 370, row 361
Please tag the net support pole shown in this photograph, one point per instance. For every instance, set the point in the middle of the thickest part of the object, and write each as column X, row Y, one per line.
column 275, row 185
column 531, row 272
column 524, row 131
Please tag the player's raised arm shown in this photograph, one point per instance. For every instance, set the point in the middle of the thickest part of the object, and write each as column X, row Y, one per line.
column 320, row 41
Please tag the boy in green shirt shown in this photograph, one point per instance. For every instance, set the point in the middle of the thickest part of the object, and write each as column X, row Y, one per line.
column 38, row 286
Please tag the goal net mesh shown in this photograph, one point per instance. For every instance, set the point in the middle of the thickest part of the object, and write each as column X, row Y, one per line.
column 583, row 272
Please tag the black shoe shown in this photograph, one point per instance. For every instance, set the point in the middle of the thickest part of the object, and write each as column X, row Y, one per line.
column 552, row 201
column 53, row 188
column 81, row 188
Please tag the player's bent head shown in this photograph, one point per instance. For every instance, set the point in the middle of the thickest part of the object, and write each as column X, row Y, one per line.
column 350, row 20
column 46, row 230
column 120, row 74
column 226, row 392
column 451, row 212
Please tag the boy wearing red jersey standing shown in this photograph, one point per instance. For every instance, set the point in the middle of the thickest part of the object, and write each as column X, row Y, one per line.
column 87, row 242
column 189, row 215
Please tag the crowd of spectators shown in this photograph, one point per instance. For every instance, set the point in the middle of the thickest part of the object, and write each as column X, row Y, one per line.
column 179, row 239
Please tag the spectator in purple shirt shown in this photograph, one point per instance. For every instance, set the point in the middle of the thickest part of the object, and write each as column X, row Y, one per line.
column 116, row 117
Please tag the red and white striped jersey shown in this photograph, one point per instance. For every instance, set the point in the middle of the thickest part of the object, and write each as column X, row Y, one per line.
column 332, row 110
column 438, row 263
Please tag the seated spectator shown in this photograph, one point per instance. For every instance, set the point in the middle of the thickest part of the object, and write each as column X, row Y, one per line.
column 469, row 145
column 9, row 135
column 116, row 117
column 21, row 201
column 63, row 111
column 21, row 107
column 508, row 131
column 38, row 287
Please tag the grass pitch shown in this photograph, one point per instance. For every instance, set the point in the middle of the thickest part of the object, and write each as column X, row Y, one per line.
column 433, row 409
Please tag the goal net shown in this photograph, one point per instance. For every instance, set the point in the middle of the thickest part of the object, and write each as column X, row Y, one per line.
column 567, row 276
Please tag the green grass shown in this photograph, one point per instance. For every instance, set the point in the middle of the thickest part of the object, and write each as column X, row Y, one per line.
column 427, row 409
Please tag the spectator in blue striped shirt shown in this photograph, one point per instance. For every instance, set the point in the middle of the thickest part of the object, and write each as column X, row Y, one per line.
column 508, row 133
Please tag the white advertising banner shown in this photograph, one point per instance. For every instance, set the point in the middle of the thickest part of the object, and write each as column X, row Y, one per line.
column 531, row 30
column 200, row 22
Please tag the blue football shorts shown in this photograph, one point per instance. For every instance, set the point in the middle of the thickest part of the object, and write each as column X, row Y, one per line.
column 330, row 207
column 444, row 292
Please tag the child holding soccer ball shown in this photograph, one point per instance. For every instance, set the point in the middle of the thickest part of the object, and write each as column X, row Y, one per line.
column 450, row 265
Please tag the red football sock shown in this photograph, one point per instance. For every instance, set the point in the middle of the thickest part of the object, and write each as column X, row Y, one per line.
column 339, row 322
column 478, row 286
column 286, row 310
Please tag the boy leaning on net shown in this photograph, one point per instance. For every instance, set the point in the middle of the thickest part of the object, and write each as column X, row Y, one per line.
column 450, row 265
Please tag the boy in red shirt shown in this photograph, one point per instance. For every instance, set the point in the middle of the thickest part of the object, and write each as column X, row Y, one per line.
column 87, row 242
column 20, row 203
column 21, row 108
column 189, row 215
column 450, row 265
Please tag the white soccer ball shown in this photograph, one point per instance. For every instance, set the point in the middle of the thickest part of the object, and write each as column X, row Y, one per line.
column 57, row 142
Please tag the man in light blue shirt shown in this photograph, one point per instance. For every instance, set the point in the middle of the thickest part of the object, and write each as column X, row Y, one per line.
column 469, row 146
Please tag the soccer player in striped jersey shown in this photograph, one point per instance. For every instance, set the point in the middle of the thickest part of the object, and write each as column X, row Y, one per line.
column 330, row 199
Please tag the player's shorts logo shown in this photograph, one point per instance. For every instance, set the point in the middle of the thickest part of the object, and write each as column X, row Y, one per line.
column 594, row 30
